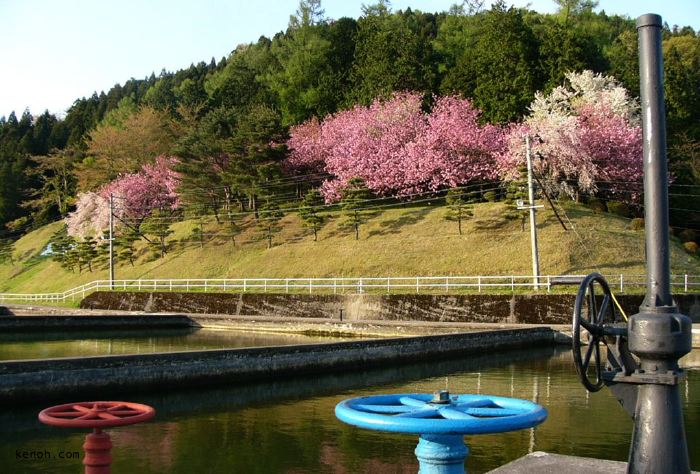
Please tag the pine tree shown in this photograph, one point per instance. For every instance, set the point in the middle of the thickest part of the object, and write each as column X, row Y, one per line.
column 6, row 250
column 233, row 227
column 102, row 248
column 353, row 203
column 268, row 222
column 63, row 249
column 308, row 211
column 125, row 247
column 87, row 252
column 516, row 193
column 459, row 206
column 158, row 225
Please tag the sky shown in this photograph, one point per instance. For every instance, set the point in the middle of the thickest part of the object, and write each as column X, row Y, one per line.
column 56, row 51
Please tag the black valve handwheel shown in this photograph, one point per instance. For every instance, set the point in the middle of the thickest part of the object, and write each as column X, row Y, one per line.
column 591, row 313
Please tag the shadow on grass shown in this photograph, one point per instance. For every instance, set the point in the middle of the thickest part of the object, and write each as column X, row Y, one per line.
column 490, row 223
column 393, row 226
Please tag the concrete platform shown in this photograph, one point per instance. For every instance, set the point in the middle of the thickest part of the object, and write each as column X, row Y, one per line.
column 545, row 463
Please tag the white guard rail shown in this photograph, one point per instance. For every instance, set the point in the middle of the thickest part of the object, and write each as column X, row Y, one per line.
column 426, row 284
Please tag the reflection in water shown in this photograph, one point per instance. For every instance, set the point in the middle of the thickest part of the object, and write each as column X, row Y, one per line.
column 288, row 426
column 16, row 346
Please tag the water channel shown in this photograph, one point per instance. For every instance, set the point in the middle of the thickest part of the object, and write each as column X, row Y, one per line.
column 17, row 346
column 288, row 426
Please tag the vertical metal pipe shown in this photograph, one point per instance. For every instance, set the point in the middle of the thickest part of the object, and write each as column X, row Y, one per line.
column 651, row 73
column 658, row 335
column 533, row 222
column 111, row 241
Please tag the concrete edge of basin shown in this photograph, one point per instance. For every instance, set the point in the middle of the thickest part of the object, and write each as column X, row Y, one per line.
column 33, row 380
column 540, row 462
column 93, row 322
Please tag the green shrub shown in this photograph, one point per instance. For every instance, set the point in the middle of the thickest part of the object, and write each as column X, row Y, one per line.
column 490, row 196
column 688, row 235
column 618, row 208
column 596, row 204
column 564, row 197
column 637, row 224
column 691, row 248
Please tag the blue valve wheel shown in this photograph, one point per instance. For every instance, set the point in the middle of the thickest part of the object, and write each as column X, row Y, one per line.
column 420, row 414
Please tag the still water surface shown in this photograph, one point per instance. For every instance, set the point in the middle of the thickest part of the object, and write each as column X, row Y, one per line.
column 15, row 346
column 289, row 427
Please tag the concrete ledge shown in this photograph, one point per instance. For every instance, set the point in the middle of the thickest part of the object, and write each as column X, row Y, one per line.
column 63, row 323
column 471, row 308
column 53, row 378
column 545, row 463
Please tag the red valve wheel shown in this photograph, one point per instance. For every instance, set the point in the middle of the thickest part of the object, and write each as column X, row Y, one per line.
column 96, row 414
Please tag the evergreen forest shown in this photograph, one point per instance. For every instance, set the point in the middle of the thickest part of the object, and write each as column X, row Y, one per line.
column 241, row 134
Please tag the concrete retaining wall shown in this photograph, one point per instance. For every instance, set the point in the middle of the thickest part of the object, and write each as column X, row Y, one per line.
column 504, row 309
column 105, row 376
column 63, row 323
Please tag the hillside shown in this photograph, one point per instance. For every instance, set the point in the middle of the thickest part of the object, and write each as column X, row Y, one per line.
column 410, row 241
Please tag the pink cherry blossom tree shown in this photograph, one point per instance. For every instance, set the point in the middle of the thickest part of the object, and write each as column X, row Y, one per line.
column 136, row 196
column 588, row 135
column 90, row 218
column 307, row 151
column 396, row 148
column 153, row 188
column 454, row 149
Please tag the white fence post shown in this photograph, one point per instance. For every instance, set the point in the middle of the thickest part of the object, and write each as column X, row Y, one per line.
column 685, row 285
column 310, row 283
column 478, row 283
column 417, row 287
column 335, row 286
column 286, row 285
column 265, row 284
column 245, row 285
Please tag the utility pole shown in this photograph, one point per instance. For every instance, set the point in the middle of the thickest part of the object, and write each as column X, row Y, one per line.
column 531, row 206
column 111, row 241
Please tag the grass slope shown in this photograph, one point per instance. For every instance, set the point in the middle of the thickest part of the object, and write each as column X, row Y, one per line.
column 411, row 241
